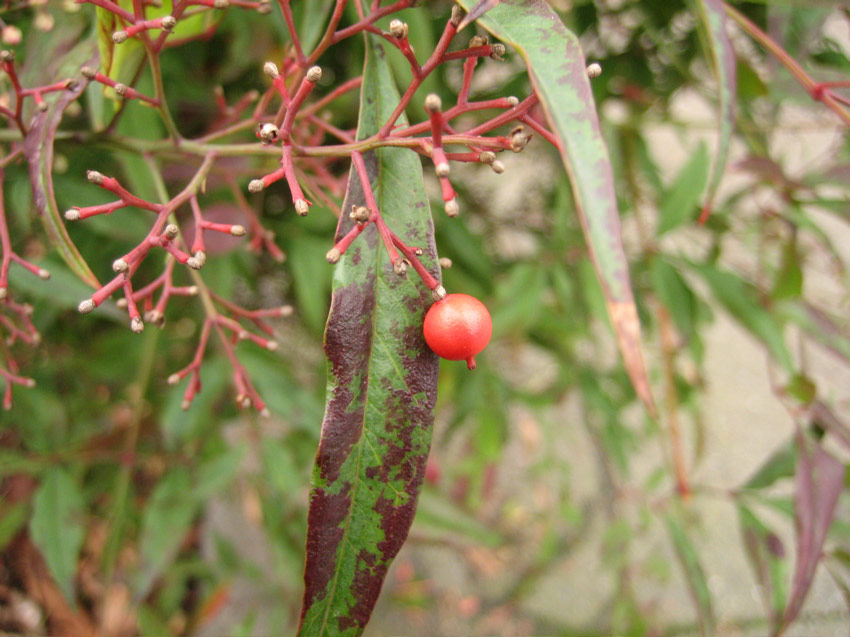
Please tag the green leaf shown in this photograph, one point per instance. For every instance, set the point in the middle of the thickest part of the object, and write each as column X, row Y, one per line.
column 818, row 325
column 38, row 150
column 557, row 69
column 680, row 200
column 789, row 278
column 675, row 295
column 780, row 464
column 766, row 555
column 382, row 381
column 741, row 300
column 694, row 574
column 56, row 526
column 166, row 520
column 713, row 16
column 441, row 517
column 12, row 519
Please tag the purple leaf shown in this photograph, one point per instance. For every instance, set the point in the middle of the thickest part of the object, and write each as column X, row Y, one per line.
column 818, row 483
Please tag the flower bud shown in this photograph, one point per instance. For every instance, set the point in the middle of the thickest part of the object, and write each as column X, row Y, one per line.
column 95, row 177
column 264, row 8
column 88, row 72
column 4, row 292
column 594, row 70
column 86, row 306
column 400, row 267
column 513, row 101
column 333, row 255
column 398, row 29
column 519, row 139
column 438, row 293
column 302, row 207
column 477, row 40
column 268, row 133
column 452, row 208
column 256, row 185
column 168, row 22
column 119, row 36
column 120, row 266
column 137, row 325
column 360, row 214
column 442, row 170
column 487, row 157
column 314, row 74
column 445, row 263
column 120, row 89
column 171, row 231
column 498, row 167
column 174, row 379
column 200, row 257
column 497, row 51
column 271, row 346
column 433, row 103
column 221, row 4
column 238, row 231
column 457, row 15
column 270, row 69
column 7, row 55
column 43, row 274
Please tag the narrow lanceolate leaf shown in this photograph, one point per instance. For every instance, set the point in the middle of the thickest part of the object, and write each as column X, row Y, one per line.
column 766, row 554
column 382, row 385
column 56, row 526
column 557, row 68
column 818, row 483
column 694, row 574
column 713, row 16
column 38, row 149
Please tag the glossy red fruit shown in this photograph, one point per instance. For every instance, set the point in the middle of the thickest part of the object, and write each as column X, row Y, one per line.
column 458, row 327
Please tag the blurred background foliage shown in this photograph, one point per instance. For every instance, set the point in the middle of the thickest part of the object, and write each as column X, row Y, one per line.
column 553, row 505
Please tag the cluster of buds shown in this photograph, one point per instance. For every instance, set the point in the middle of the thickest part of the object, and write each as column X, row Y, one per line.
column 297, row 128
column 15, row 318
column 37, row 93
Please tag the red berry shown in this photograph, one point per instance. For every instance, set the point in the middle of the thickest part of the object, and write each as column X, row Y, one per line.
column 458, row 327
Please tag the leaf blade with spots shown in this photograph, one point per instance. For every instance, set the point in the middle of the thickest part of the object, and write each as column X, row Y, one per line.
column 382, row 382
column 557, row 69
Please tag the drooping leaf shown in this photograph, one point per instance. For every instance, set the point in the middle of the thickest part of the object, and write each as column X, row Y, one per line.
column 56, row 526
column 381, row 393
column 694, row 573
column 818, row 483
column 680, row 200
column 557, row 68
column 741, row 300
column 766, row 555
column 38, row 149
column 713, row 16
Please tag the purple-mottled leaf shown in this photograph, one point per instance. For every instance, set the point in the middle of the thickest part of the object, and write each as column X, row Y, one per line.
column 38, row 149
column 382, row 386
column 557, row 68
column 818, row 483
column 480, row 8
column 713, row 16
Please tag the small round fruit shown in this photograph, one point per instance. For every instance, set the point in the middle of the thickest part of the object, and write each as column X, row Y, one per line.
column 458, row 327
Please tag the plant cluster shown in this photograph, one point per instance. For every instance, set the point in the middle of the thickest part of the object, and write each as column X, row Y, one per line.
column 195, row 165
